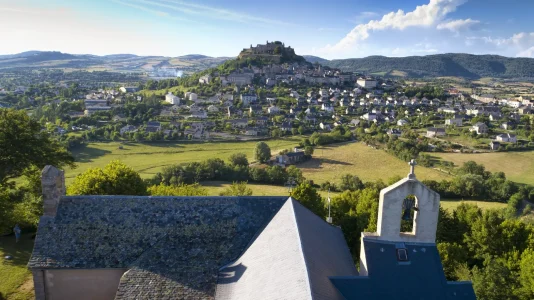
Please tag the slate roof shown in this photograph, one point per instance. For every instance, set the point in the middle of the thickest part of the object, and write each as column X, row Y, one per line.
column 172, row 246
column 421, row 277
column 290, row 259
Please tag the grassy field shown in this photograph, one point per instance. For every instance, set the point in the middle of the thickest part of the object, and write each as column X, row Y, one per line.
column 15, row 279
column 518, row 166
column 148, row 159
column 331, row 162
column 451, row 204
column 216, row 187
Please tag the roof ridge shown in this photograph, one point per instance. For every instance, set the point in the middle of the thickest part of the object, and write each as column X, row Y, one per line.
column 253, row 239
column 303, row 255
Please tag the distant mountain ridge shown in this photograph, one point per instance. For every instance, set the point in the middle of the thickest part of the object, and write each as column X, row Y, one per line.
column 439, row 65
column 152, row 65
column 314, row 59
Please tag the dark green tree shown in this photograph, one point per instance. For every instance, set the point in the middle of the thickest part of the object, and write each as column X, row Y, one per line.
column 23, row 145
column 115, row 179
column 308, row 196
column 239, row 159
column 262, row 152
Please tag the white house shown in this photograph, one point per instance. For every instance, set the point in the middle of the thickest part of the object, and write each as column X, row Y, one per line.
column 273, row 110
column 213, row 109
column 193, row 97
column 402, row 122
column 479, row 128
column 127, row 128
column 455, row 121
column 435, row 132
column 246, row 99
column 199, row 114
column 327, row 107
column 205, row 79
column 369, row 117
column 507, row 138
column 367, row 83
column 325, row 126
column 172, row 99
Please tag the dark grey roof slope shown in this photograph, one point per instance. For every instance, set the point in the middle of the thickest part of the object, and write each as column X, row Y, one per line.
column 420, row 277
column 173, row 246
column 292, row 258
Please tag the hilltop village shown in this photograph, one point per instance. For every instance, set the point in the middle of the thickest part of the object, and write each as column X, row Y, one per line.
column 269, row 91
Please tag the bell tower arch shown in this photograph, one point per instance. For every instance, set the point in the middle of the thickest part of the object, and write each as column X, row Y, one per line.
column 393, row 205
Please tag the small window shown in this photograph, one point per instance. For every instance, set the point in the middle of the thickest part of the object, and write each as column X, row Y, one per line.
column 402, row 255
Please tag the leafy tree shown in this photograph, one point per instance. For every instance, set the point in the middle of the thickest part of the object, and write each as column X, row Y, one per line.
column 308, row 150
column 526, row 275
column 350, row 182
column 262, row 152
column 238, row 159
column 277, row 175
column 495, row 281
column 309, row 197
column 237, row 189
column 295, row 173
column 452, row 256
column 471, row 167
column 258, row 174
column 23, row 145
column 115, row 179
column 515, row 202
column 178, row 190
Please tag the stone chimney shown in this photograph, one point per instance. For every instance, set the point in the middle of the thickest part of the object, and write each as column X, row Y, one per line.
column 53, row 185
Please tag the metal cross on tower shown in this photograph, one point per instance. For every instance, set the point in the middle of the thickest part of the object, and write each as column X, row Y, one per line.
column 412, row 164
column 291, row 183
column 329, row 218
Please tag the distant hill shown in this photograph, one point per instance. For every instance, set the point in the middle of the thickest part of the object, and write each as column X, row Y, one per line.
column 155, row 66
column 451, row 64
column 314, row 59
column 440, row 65
column 194, row 56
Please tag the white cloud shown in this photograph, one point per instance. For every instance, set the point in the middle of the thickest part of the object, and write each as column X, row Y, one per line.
column 208, row 11
column 152, row 11
column 419, row 49
column 457, row 25
column 423, row 16
column 364, row 16
column 527, row 53
column 522, row 43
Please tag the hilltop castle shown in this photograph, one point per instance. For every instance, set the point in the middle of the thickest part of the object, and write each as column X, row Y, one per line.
column 274, row 51
column 269, row 48
column 132, row 247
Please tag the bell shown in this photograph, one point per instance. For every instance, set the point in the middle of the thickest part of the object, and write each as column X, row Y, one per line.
column 407, row 206
column 407, row 215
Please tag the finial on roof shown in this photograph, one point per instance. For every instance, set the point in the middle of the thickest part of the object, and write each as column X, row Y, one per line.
column 329, row 218
column 412, row 164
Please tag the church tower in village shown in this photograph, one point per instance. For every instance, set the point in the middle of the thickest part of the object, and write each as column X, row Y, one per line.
column 403, row 265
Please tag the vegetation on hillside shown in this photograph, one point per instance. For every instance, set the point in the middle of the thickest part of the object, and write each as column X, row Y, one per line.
column 460, row 65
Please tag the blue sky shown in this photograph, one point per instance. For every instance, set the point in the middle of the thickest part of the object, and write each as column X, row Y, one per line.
column 330, row 29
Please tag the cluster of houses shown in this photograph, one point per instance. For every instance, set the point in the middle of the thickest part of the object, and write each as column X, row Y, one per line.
column 325, row 108
column 291, row 74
